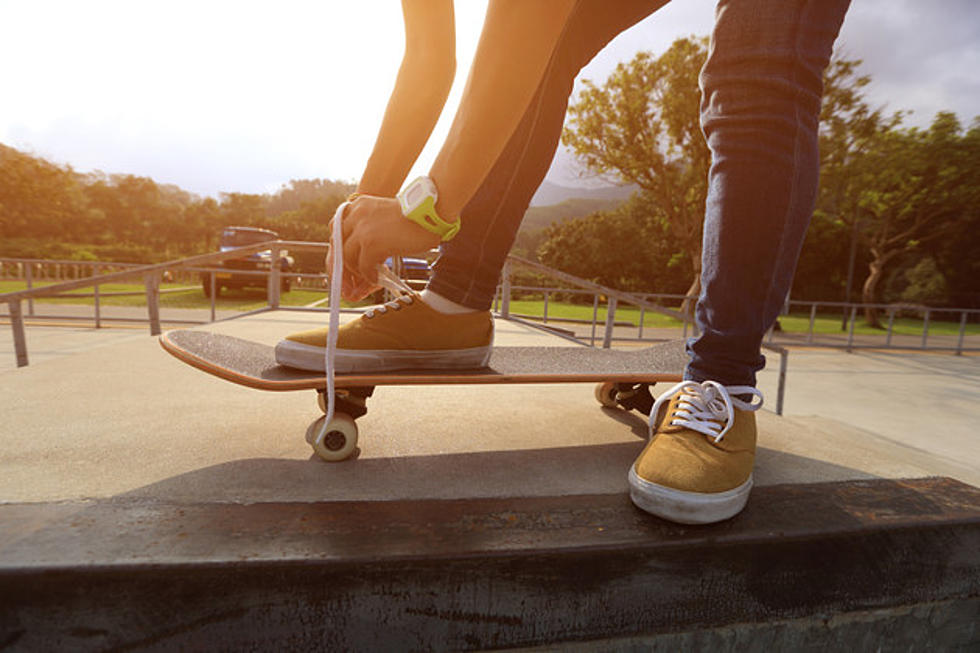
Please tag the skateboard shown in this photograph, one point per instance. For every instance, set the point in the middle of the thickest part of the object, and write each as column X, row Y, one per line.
column 623, row 377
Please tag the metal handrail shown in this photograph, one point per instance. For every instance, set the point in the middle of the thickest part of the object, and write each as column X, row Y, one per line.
column 611, row 293
column 192, row 261
column 151, row 274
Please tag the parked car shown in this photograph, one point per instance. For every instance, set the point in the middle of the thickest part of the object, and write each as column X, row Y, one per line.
column 231, row 274
column 415, row 271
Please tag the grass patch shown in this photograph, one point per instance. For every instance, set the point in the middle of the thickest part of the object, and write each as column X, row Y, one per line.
column 794, row 323
column 249, row 299
column 829, row 325
column 569, row 311
column 245, row 299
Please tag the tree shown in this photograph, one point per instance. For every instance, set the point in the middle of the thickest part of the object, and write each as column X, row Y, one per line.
column 38, row 199
column 897, row 190
column 914, row 186
column 642, row 127
column 243, row 208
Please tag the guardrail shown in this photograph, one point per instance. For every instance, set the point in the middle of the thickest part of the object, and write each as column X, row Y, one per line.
column 848, row 340
column 151, row 276
column 83, row 274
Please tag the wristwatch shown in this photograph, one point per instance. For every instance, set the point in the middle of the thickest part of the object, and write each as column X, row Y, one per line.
column 418, row 204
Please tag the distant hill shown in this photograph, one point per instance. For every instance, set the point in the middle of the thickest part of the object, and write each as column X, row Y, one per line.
column 550, row 193
column 539, row 217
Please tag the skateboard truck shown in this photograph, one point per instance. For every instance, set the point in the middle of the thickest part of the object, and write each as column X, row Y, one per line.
column 631, row 396
column 352, row 401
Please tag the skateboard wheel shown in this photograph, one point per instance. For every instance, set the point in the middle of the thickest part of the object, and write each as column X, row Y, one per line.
column 339, row 441
column 605, row 393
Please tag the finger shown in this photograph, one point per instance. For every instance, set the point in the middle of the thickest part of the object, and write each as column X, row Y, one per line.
column 367, row 264
column 351, row 253
column 348, row 221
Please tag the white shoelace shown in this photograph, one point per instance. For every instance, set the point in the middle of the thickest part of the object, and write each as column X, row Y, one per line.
column 402, row 291
column 386, row 278
column 708, row 408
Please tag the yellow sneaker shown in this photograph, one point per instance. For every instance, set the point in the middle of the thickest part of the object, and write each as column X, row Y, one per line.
column 405, row 333
column 697, row 466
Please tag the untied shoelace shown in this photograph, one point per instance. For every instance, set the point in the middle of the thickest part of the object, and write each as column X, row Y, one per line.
column 386, row 278
column 708, row 408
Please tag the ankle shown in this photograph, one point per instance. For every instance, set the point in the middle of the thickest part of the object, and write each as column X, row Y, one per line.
column 440, row 304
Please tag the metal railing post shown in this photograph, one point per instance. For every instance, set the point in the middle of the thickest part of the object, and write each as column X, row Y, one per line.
column 213, row 293
column 639, row 335
column 29, row 276
column 959, row 342
column 813, row 319
column 545, row 316
column 20, row 339
column 505, row 292
column 610, row 323
column 152, row 281
column 781, row 391
column 595, row 317
column 273, row 280
column 891, row 325
column 925, row 329
column 98, row 306
column 850, row 330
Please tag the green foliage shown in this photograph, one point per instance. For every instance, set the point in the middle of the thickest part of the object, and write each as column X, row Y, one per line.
column 904, row 192
column 821, row 273
column 49, row 211
column 627, row 248
column 537, row 219
column 39, row 199
column 926, row 284
column 911, row 193
column 641, row 127
column 53, row 250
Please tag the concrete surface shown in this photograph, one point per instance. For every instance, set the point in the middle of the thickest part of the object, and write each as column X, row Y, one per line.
column 871, row 565
column 128, row 419
column 139, row 496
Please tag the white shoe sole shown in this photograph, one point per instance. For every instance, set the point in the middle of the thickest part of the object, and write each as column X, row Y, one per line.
column 311, row 358
column 687, row 507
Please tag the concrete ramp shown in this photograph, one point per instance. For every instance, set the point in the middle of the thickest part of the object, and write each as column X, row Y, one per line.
column 833, row 565
column 145, row 505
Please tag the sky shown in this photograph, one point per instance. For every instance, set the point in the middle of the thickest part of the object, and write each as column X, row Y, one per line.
column 239, row 96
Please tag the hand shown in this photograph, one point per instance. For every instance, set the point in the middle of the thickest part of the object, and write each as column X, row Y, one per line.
column 374, row 229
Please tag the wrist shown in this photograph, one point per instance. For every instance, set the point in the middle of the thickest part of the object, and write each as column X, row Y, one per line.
column 418, row 202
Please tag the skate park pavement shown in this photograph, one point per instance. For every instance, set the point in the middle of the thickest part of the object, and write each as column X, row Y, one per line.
column 104, row 423
column 94, row 398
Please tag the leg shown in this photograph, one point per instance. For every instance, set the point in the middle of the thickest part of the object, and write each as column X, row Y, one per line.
column 762, row 86
column 468, row 270
column 433, row 333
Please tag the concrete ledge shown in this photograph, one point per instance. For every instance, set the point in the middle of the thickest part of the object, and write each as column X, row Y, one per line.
column 477, row 573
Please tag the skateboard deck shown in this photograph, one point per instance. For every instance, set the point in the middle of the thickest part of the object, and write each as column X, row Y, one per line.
column 623, row 376
column 254, row 365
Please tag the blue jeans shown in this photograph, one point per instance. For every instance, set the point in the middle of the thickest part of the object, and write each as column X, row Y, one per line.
column 761, row 91
column 761, row 87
